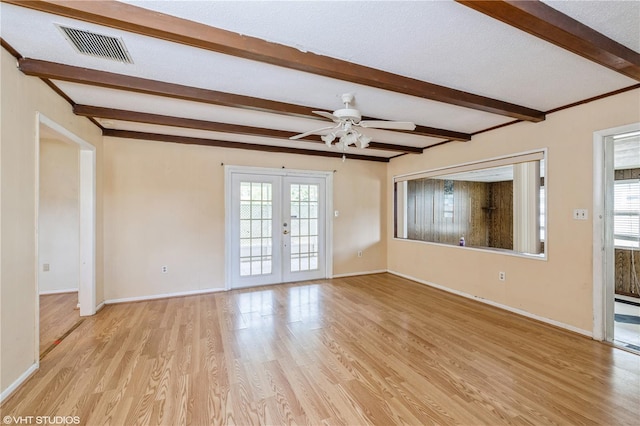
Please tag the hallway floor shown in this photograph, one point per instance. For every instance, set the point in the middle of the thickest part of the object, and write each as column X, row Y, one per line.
column 627, row 323
column 58, row 314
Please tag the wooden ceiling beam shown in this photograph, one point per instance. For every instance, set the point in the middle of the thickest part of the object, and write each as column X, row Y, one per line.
column 57, row 71
column 189, row 123
column 62, row 72
column 154, row 24
column 158, row 137
column 547, row 23
column 10, row 48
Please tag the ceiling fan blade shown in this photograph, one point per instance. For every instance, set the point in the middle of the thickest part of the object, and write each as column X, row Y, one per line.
column 328, row 115
column 311, row 132
column 391, row 125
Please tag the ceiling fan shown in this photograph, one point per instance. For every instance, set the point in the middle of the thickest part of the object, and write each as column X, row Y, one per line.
column 347, row 125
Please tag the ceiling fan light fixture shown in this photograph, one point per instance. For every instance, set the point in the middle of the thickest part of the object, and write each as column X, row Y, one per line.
column 349, row 138
column 341, row 145
column 363, row 141
column 327, row 139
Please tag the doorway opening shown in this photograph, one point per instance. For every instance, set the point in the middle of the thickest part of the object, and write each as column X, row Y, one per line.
column 277, row 226
column 617, row 236
column 65, row 232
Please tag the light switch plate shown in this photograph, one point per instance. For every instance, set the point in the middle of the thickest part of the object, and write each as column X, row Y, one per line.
column 580, row 214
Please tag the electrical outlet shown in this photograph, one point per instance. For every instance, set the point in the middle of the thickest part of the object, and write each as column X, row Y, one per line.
column 502, row 276
column 580, row 214
column 359, row 253
column 165, row 269
column 46, row 267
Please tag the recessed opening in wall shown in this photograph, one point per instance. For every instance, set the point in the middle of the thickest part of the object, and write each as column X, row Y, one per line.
column 498, row 204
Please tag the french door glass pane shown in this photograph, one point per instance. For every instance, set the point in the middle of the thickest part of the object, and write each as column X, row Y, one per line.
column 256, row 212
column 304, row 227
column 304, row 209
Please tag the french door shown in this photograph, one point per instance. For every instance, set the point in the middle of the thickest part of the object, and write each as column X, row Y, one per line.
column 276, row 228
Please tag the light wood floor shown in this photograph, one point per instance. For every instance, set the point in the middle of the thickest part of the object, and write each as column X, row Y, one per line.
column 58, row 314
column 365, row 350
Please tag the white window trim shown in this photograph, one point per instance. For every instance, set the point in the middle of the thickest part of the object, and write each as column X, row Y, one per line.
column 536, row 154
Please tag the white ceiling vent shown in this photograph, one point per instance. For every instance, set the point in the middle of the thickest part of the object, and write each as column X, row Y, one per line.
column 97, row 45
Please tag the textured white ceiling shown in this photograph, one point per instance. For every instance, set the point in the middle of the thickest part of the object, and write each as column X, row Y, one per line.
column 436, row 41
column 193, row 67
column 493, row 174
column 618, row 20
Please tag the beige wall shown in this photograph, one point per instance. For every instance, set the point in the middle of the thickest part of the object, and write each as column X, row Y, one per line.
column 22, row 98
column 560, row 288
column 59, row 220
column 164, row 205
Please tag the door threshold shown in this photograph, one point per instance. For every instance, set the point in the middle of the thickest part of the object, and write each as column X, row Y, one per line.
column 628, row 347
column 635, row 301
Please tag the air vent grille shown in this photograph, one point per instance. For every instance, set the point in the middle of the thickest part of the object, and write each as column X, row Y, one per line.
column 97, row 45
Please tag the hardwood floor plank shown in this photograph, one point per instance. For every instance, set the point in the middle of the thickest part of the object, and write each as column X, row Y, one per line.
column 304, row 390
column 374, row 349
column 289, row 406
column 58, row 313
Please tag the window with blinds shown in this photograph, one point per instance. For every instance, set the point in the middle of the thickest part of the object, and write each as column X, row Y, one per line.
column 626, row 213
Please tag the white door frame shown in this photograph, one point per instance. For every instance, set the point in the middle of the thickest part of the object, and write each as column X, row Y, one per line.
column 603, row 250
column 328, row 177
column 87, row 219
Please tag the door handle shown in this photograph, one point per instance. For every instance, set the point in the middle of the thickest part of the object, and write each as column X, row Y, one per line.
column 285, row 232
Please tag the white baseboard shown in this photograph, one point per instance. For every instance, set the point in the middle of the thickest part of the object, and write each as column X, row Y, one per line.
column 498, row 305
column 61, row 291
column 355, row 274
column 20, row 380
column 100, row 306
column 162, row 296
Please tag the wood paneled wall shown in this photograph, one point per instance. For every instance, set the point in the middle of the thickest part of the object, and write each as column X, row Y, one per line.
column 501, row 215
column 627, row 174
column 482, row 213
column 626, row 277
